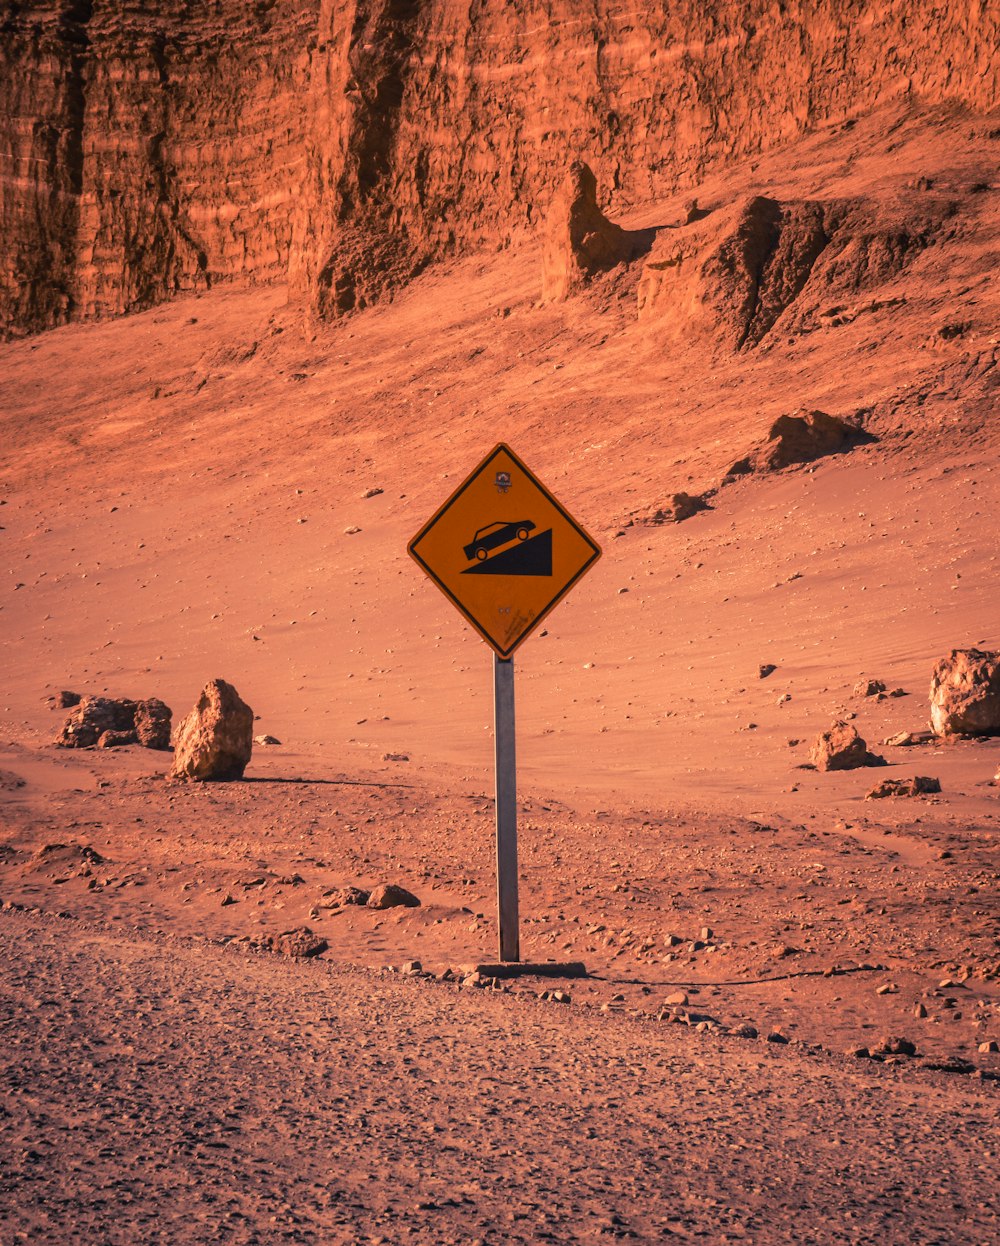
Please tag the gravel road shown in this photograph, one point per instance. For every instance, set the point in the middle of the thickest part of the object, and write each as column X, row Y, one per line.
column 158, row 1090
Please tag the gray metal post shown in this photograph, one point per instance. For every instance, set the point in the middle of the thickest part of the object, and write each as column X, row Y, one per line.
column 506, row 789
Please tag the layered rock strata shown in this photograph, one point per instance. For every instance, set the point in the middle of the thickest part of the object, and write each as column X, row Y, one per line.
column 147, row 148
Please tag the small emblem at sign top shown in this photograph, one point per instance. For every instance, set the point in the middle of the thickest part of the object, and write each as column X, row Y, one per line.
column 503, row 482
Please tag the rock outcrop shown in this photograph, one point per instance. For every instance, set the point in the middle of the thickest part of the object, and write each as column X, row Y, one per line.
column 392, row 896
column 341, row 144
column 733, row 276
column 965, row 694
column 214, row 741
column 842, row 748
column 580, row 241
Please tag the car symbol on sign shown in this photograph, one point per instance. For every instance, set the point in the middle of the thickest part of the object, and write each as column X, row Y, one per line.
column 495, row 534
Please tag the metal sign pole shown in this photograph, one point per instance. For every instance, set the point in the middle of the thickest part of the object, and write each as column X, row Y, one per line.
column 506, row 791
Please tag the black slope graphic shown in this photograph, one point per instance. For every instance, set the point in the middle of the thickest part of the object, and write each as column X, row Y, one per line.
column 532, row 557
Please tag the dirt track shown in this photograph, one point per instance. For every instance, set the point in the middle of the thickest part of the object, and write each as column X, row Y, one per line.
column 173, row 1091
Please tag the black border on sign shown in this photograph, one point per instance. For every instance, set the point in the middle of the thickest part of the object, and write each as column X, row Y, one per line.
column 502, row 448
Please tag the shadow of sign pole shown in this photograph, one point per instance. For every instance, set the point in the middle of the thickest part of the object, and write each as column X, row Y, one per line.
column 506, row 806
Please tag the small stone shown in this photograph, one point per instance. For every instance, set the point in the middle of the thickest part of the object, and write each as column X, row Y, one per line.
column 776, row 1036
column 268, row 740
column 744, row 1030
column 371, row 493
column 887, row 988
column 991, row 1045
column 920, row 1010
column 765, row 669
column 66, row 700
column 677, row 998
column 869, row 688
column 391, row 896
column 116, row 739
column 352, row 530
column 561, row 997
column 228, row 899
column 705, row 933
column 411, row 967
column 672, row 940
column 907, row 739
column 859, row 1053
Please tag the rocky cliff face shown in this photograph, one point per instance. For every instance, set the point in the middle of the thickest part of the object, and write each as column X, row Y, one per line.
column 342, row 144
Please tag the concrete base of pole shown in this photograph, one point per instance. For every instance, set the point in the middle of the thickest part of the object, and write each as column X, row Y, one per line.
column 529, row 969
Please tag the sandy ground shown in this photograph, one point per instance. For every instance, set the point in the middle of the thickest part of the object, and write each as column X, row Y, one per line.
column 177, row 491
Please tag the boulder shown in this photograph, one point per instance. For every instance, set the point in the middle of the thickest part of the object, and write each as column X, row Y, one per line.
column 389, row 896
column 300, row 943
column 580, row 241
column 965, row 693
column 214, row 741
column 868, row 687
column 680, row 506
column 920, row 785
column 66, row 700
column 907, row 739
column 89, row 720
column 841, row 748
column 152, row 723
column 802, row 438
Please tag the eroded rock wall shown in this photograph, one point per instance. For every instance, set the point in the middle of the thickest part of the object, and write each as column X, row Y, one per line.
column 145, row 148
column 152, row 147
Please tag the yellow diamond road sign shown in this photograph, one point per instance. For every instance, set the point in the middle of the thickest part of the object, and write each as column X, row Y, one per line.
column 503, row 550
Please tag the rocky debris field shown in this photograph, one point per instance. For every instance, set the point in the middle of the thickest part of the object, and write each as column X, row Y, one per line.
column 834, row 933
column 220, row 1097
